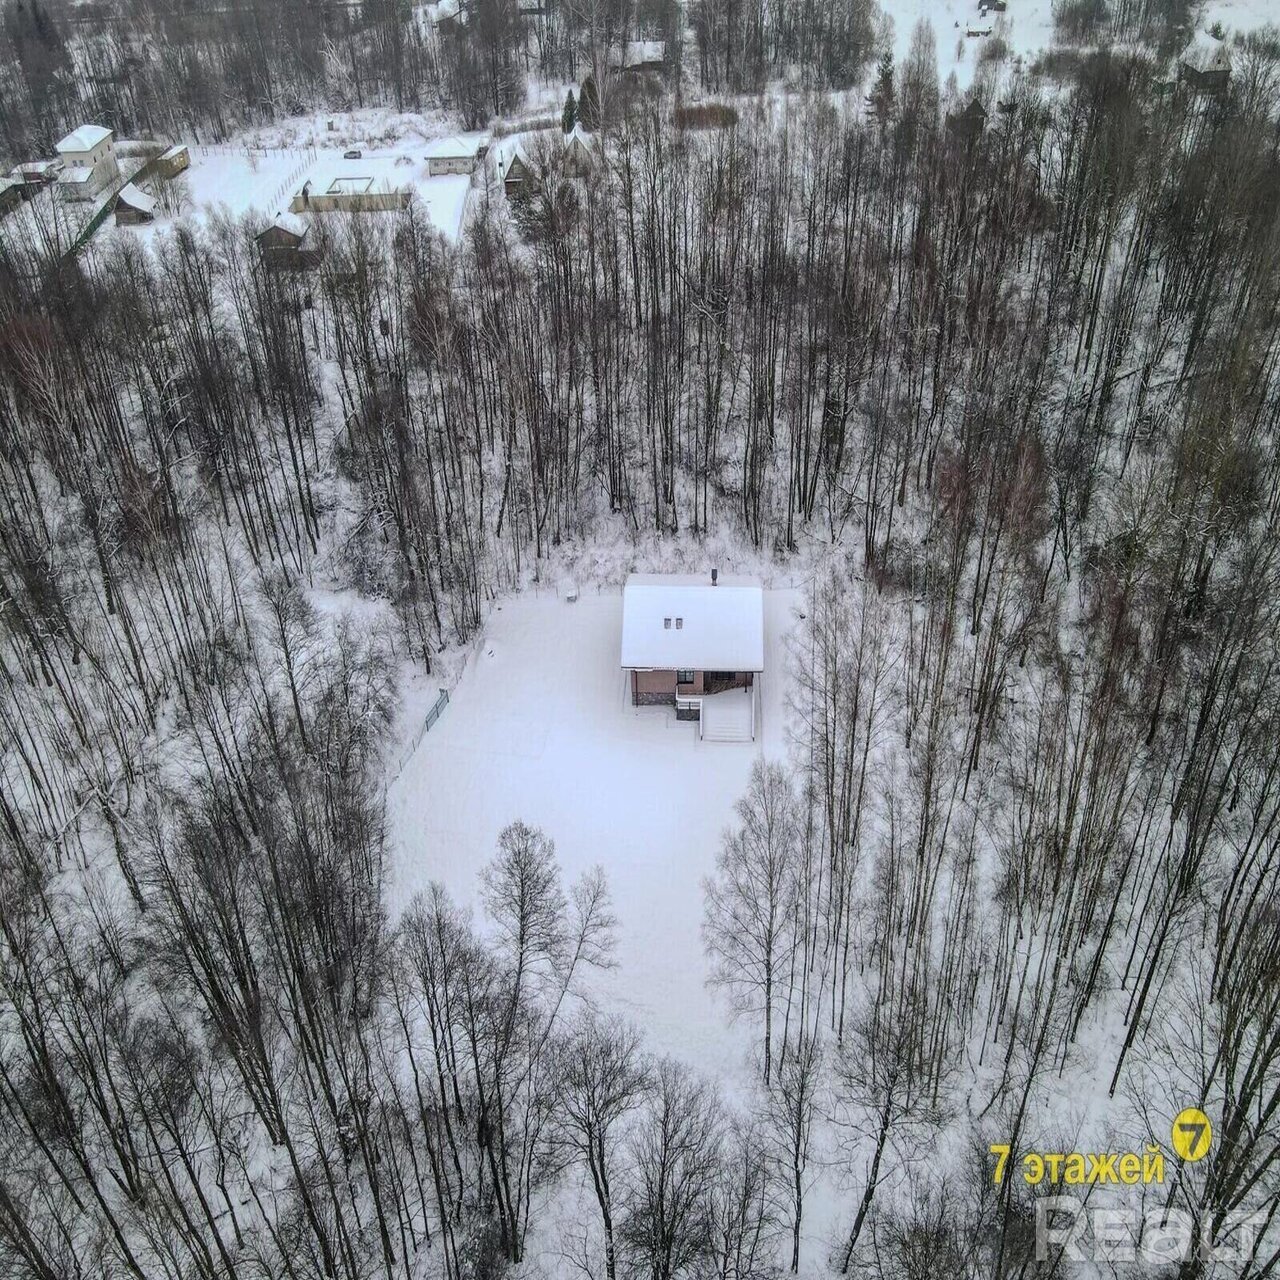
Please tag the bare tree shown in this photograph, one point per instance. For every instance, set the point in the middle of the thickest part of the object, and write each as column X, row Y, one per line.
column 604, row 1077
column 749, row 913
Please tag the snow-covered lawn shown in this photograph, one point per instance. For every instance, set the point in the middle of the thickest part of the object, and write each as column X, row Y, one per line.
column 540, row 729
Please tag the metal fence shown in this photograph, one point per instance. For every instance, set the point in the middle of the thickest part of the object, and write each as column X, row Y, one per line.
column 431, row 717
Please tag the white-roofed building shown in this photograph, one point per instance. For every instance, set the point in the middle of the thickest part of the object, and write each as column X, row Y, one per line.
column 639, row 55
column 688, row 637
column 455, row 154
column 1205, row 64
column 89, row 154
column 133, row 205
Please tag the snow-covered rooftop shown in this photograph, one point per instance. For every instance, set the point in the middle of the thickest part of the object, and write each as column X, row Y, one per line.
column 291, row 223
column 35, row 169
column 1207, row 53
column 451, row 147
column 75, row 176
column 681, row 621
column 638, row 53
column 134, row 198
column 85, row 138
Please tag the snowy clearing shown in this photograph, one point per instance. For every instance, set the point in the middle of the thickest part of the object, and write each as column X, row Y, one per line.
column 539, row 729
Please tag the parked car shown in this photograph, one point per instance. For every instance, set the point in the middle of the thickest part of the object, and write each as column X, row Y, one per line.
column 351, row 155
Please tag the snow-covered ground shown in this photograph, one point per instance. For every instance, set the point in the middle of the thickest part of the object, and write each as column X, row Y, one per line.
column 240, row 179
column 540, row 728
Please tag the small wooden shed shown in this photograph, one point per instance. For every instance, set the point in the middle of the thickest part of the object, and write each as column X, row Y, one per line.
column 134, row 206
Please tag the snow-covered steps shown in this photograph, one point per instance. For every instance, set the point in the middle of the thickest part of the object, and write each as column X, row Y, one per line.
column 729, row 716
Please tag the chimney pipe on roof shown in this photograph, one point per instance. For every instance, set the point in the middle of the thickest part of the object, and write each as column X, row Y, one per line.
column 715, row 573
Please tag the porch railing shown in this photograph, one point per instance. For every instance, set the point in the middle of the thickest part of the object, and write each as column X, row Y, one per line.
column 691, row 704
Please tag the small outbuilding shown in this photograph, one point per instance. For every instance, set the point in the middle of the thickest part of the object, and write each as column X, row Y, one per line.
column 1205, row 65
column 134, row 206
column 174, row 161
column 687, row 638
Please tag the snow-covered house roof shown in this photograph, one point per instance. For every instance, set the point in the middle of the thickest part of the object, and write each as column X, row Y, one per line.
column 639, row 53
column 85, row 138
column 133, row 198
column 31, row 169
column 454, row 147
column 1206, row 53
column 447, row 11
column 290, row 223
column 578, row 137
column 76, row 176
column 507, row 149
column 682, row 622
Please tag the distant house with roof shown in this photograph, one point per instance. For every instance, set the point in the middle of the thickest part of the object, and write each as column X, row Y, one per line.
column 286, row 243
column 1205, row 65
column 89, row 162
column 447, row 15
column 36, row 174
column 579, row 150
column 512, row 165
column 637, row 57
column 455, row 154
column 134, row 206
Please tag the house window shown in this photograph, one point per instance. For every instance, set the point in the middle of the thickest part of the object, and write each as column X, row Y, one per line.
column 679, row 624
column 684, row 677
column 666, row 624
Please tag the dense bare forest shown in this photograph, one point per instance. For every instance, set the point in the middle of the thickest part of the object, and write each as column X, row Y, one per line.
column 1012, row 390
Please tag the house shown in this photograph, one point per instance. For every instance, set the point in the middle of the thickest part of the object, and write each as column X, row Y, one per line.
column 1205, row 65
column 172, row 162
column 687, row 638
column 134, row 206
column 579, row 150
column 448, row 15
column 512, row 165
column 34, row 175
column 285, row 243
column 89, row 163
column 637, row 57
column 967, row 125
column 455, row 155
column 349, row 192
